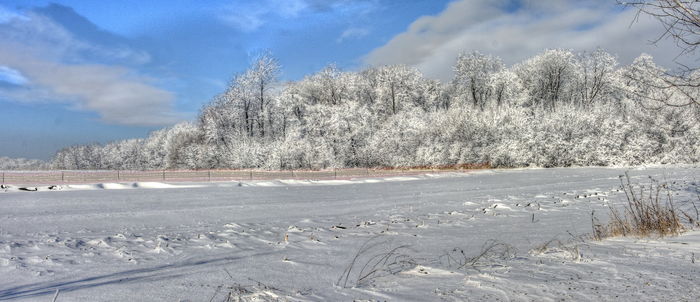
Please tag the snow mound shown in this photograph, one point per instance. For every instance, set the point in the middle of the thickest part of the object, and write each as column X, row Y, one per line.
column 125, row 186
column 83, row 187
column 153, row 185
column 337, row 182
column 113, row 186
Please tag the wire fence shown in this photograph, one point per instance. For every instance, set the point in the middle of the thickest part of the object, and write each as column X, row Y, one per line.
column 80, row 177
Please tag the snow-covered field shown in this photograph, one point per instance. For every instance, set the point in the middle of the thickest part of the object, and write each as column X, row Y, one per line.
column 486, row 235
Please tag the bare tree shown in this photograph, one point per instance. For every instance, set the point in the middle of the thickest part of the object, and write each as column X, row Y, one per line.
column 680, row 18
column 681, row 21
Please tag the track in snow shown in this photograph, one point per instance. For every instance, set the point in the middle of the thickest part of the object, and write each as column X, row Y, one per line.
column 295, row 239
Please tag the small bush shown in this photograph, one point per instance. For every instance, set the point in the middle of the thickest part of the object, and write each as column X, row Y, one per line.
column 649, row 211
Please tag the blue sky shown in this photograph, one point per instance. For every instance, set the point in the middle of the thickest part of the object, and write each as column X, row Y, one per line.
column 96, row 71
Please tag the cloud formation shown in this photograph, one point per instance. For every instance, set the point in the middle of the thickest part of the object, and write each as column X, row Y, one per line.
column 11, row 76
column 249, row 16
column 56, row 66
column 352, row 33
column 516, row 32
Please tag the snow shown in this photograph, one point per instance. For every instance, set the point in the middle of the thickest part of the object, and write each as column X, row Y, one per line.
column 296, row 240
column 102, row 186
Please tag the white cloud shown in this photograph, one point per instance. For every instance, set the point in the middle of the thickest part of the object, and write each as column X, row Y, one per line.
column 44, row 35
column 432, row 43
column 11, row 76
column 248, row 16
column 352, row 33
column 113, row 92
column 55, row 68
column 7, row 15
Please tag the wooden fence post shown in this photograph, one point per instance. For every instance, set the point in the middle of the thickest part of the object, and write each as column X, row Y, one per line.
column 335, row 173
column 3, row 178
column 63, row 176
column 163, row 175
column 209, row 175
column 251, row 174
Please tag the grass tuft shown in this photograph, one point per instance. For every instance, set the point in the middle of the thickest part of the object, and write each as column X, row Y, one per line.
column 649, row 211
column 379, row 260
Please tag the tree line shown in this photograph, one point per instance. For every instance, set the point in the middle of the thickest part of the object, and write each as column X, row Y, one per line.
column 558, row 108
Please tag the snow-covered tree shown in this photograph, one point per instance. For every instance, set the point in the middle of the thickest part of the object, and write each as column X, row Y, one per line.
column 595, row 78
column 549, row 78
column 474, row 78
column 8, row 163
column 555, row 109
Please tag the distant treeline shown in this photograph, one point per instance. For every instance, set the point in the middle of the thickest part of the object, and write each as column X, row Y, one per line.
column 558, row 108
column 7, row 163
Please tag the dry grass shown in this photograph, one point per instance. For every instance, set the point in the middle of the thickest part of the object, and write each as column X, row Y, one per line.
column 492, row 252
column 379, row 258
column 571, row 250
column 649, row 211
